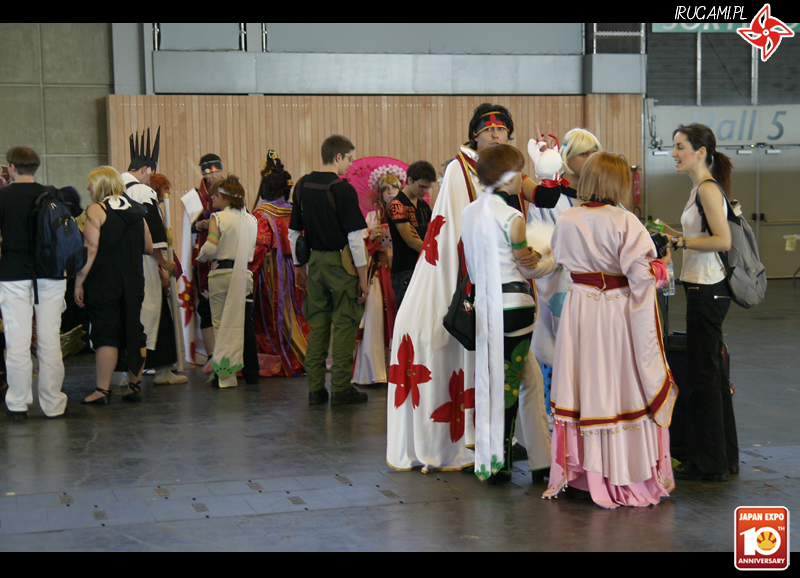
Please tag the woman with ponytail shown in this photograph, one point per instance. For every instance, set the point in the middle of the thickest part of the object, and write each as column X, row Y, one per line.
column 711, row 429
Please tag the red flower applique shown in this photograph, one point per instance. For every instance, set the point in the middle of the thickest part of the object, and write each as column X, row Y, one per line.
column 431, row 246
column 186, row 298
column 407, row 375
column 453, row 410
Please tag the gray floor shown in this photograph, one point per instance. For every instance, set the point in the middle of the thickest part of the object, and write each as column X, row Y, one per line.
column 194, row 469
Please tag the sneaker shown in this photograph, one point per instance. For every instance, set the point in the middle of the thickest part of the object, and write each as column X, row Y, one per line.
column 318, row 397
column 166, row 377
column 348, row 396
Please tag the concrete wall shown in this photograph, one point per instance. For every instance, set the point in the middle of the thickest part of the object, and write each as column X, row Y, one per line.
column 54, row 80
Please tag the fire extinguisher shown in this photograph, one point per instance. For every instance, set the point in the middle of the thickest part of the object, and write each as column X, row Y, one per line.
column 637, row 187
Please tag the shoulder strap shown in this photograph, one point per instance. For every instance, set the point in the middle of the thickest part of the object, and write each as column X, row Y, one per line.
column 723, row 255
column 296, row 198
column 704, row 222
column 327, row 189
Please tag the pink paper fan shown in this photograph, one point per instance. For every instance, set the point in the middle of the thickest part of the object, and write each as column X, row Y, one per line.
column 364, row 173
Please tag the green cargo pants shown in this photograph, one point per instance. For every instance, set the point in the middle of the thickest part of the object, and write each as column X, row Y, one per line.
column 331, row 295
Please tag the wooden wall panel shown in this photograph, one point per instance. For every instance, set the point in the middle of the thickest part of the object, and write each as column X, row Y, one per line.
column 241, row 129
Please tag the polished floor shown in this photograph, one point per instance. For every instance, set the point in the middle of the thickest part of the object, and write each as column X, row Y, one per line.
column 192, row 468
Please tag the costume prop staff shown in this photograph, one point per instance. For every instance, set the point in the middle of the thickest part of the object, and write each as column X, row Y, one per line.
column 175, row 305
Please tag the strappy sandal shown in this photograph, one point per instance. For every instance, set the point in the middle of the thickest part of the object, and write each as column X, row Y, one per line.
column 135, row 394
column 102, row 400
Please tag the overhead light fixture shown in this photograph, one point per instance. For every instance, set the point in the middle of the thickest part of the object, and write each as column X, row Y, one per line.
column 773, row 151
column 660, row 153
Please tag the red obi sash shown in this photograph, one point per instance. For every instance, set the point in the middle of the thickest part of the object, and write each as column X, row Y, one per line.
column 600, row 280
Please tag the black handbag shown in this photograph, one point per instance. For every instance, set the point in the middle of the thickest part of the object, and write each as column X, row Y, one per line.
column 302, row 250
column 460, row 318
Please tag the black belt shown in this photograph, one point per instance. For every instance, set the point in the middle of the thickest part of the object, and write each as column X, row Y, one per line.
column 225, row 264
column 517, row 287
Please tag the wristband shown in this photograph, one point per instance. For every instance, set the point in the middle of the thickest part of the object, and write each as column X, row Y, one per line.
column 520, row 245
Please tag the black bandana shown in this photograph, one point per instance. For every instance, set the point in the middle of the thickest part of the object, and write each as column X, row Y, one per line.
column 210, row 163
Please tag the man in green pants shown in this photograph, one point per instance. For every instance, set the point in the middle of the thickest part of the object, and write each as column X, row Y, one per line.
column 325, row 208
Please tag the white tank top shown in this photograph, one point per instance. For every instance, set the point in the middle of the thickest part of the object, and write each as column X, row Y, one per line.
column 702, row 267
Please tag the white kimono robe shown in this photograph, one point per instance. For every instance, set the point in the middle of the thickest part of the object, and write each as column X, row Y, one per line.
column 430, row 406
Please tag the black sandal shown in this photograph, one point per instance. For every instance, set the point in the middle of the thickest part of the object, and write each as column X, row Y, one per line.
column 103, row 400
column 135, row 394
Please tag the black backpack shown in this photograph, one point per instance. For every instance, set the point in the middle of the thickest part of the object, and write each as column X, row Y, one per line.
column 57, row 248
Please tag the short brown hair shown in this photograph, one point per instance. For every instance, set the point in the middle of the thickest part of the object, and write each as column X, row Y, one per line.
column 233, row 190
column 606, row 176
column 335, row 145
column 495, row 161
column 24, row 159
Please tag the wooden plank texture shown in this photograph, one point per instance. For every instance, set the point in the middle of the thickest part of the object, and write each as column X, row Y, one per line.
column 241, row 129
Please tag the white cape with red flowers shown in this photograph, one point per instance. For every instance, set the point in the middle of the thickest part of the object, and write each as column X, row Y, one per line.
column 431, row 394
column 430, row 416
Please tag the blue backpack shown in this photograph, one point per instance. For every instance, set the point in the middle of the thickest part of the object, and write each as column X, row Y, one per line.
column 58, row 249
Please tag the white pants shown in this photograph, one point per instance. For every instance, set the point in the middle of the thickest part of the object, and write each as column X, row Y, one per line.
column 16, row 304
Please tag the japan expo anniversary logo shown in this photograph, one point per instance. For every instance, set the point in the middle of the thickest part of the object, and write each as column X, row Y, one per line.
column 762, row 538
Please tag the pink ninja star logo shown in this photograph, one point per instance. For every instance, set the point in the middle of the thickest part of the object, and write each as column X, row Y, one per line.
column 765, row 32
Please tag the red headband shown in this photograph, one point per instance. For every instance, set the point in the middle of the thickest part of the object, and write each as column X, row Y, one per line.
column 493, row 120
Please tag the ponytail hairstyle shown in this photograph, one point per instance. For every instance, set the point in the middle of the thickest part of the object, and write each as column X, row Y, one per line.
column 275, row 180
column 699, row 136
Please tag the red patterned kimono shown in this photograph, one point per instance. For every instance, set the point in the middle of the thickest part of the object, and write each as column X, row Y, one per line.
column 281, row 329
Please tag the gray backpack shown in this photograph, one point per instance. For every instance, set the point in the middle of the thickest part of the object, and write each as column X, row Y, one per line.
column 747, row 277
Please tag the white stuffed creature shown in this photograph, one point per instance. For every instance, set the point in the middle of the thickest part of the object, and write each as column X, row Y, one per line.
column 547, row 164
